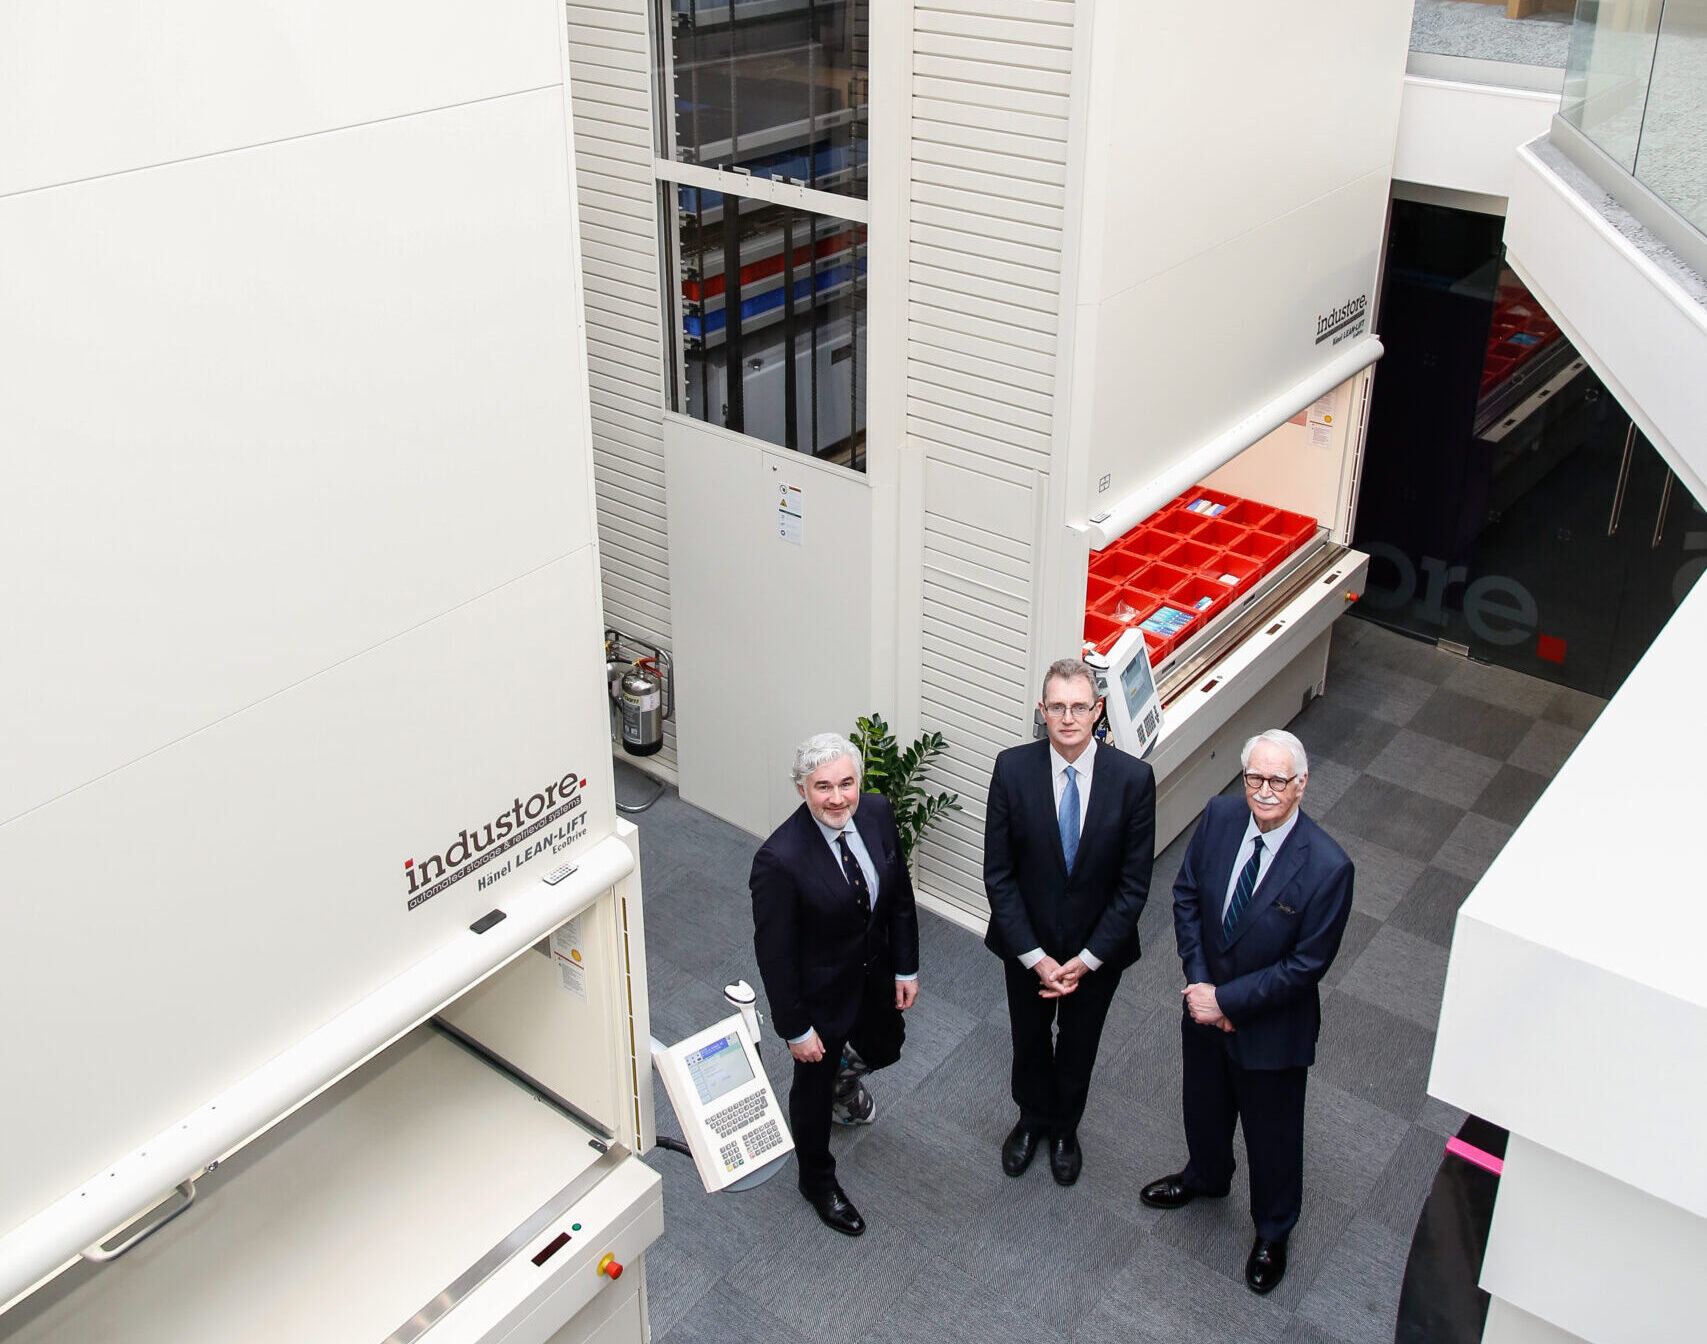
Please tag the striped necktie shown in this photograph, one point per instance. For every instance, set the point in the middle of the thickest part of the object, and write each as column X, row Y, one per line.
column 854, row 874
column 1242, row 892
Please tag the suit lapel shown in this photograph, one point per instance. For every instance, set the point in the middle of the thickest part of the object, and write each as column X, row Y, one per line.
column 1044, row 778
column 821, row 858
column 1226, row 851
column 1285, row 866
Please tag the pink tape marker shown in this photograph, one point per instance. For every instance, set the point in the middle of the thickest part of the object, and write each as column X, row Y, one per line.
column 1487, row 1161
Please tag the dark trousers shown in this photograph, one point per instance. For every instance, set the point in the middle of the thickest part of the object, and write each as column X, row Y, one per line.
column 1269, row 1103
column 877, row 1034
column 1055, row 1044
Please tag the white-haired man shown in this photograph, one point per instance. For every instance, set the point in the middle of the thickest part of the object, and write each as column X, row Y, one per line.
column 837, row 939
column 1260, row 906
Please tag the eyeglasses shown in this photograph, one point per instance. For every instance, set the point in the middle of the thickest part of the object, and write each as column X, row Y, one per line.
column 1059, row 711
column 1275, row 782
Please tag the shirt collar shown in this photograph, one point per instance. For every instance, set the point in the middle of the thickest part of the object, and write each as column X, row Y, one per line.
column 1081, row 767
column 1272, row 842
column 831, row 834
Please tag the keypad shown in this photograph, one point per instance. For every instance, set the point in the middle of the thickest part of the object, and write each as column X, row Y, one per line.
column 737, row 1116
column 763, row 1139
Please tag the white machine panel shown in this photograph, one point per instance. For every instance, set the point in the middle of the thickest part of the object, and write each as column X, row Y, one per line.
column 315, row 1232
column 273, row 420
column 108, row 86
column 727, row 1109
column 1129, row 693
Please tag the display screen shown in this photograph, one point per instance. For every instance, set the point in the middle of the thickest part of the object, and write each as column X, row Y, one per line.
column 719, row 1067
column 1136, row 683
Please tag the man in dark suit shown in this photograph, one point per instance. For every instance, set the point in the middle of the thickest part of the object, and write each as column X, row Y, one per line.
column 1260, row 905
column 1068, row 840
column 837, row 938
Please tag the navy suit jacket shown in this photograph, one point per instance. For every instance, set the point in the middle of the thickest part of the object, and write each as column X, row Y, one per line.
column 817, row 952
column 1034, row 900
column 1265, row 975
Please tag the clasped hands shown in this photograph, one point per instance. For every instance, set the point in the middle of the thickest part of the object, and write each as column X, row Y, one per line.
column 1059, row 980
column 1200, row 1001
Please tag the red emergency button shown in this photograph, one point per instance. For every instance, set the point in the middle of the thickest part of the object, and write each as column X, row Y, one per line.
column 610, row 1265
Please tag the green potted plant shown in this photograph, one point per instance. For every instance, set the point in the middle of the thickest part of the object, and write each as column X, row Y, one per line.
column 900, row 777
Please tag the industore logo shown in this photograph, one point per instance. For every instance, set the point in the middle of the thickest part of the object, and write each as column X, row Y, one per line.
column 474, row 848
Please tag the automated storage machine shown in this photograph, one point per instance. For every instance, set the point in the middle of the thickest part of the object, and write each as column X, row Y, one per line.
column 323, row 970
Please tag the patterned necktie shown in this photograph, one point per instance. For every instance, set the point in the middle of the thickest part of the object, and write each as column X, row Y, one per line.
column 1242, row 892
column 1068, row 818
column 854, row 874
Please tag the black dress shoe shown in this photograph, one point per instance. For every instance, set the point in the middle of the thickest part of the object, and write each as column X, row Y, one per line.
column 1019, row 1148
column 1171, row 1192
column 836, row 1211
column 1266, row 1265
column 1065, row 1159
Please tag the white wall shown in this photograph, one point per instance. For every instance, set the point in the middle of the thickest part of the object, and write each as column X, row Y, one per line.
column 299, row 518
column 1464, row 137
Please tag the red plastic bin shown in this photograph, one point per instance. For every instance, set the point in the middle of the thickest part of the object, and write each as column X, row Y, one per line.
column 1243, row 570
column 1100, row 632
column 1296, row 528
column 1097, row 590
column 1161, row 645
column 1178, row 524
column 1140, row 601
column 1247, row 513
column 1201, row 595
column 1190, row 554
column 1264, row 549
column 1198, row 495
column 1115, row 566
column 1218, row 534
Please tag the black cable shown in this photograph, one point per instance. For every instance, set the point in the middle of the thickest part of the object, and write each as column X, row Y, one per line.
column 674, row 1145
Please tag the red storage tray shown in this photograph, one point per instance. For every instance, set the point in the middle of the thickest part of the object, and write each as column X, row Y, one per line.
column 1244, row 570
column 1141, row 600
column 1218, row 534
column 1140, row 541
column 1097, row 590
column 1162, row 645
column 1192, row 496
column 1297, row 528
column 1247, row 513
column 1115, row 566
column 1100, row 632
column 1177, row 524
column 1260, row 547
column 1201, row 595
column 1190, row 554
column 1160, row 577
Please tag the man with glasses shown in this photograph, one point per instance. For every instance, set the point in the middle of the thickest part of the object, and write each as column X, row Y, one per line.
column 1260, row 905
column 1068, row 842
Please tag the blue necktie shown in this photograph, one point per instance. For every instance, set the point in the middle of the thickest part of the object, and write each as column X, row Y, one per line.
column 1242, row 892
column 1068, row 818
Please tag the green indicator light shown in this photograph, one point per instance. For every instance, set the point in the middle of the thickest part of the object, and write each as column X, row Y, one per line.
column 574, row 1227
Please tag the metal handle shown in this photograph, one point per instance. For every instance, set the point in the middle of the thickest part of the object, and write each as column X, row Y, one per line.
column 1623, row 481
column 101, row 1254
column 1665, row 506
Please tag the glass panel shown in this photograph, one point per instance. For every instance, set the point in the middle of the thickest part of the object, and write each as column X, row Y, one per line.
column 778, row 297
column 1672, row 158
column 777, row 87
column 1508, row 505
column 1606, row 80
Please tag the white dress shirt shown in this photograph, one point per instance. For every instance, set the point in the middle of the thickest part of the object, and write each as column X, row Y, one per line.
column 1271, row 844
column 1082, row 769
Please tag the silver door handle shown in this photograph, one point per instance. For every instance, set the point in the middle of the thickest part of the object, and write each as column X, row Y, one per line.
column 101, row 1253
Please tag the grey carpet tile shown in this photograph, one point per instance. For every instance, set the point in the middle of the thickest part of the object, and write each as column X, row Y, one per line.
column 1156, row 977
column 1348, row 1144
column 704, row 937
column 1574, row 709
column 1164, row 1296
column 1473, row 724
column 955, row 965
column 1052, row 1248
column 1511, row 793
column 1384, row 650
column 718, row 1231
column 675, row 1283
column 1546, row 747
column 1434, row 768
column 1381, row 693
column 1398, row 1197
column 1472, row 846
column 1328, row 783
column 1383, row 876
column 1528, row 696
column 1359, row 929
column 910, row 1149
column 1126, row 1146
column 681, row 1004
column 1430, row 908
column 1393, row 817
column 1142, row 1056
column 1401, row 973
column 1355, row 1297
column 726, row 1316
column 1300, row 1331
column 1340, row 733
column 1440, row 1117
column 1373, row 1054
column 946, row 1305
column 969, row 1089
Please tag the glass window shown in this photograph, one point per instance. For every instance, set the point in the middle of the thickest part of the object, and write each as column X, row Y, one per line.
column 772, row 334
column 777, row 88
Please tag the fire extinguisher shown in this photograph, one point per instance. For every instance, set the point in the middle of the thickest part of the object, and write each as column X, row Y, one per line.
column 642, row 698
